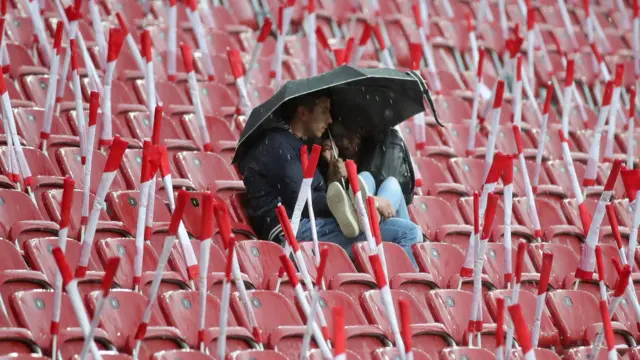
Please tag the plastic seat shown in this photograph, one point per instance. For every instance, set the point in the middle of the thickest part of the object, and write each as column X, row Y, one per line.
column 216, row 98
column 277, row 319
column 342, row 274
column 466, row 353
column 121, row 317
column 29, row 124
column 32, row 309
column 393, row 353
column 181, row 354
column 457, row 109
column 20, row 219
column 437, row 181
column 70, row 164
column 545, row 187
column 141, row 126
column 580, row 328
column 43, row 174
column 451, row 308
column 438, row 220
column 38, row 253
column 494, row 266
column 166, row 92
column 35, row 89
column 427, row 335
column 123, row 206
column 125, row 248
column 208, row 171
column 581, row 353
column 548, row 333
column 259, row 259
column 401, row 272
column 131, row 167
column 539, row 352
column 120, row 92
column 468, row 172
column 444, row 261
column 221, row 135
column 561, row 271
column 181, row 310
column 257, row 355
column 457, row 135
column 559, row 175
column 362, row 338
column 570, row 209
column 51, row 205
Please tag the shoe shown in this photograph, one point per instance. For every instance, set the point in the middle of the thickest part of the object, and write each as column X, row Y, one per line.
column 342, row 209
column 364, row 190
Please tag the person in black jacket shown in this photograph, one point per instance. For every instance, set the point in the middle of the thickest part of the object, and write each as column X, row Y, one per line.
column 273, row 174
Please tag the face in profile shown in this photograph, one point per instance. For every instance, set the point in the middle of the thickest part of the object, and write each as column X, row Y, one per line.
column 319, row 118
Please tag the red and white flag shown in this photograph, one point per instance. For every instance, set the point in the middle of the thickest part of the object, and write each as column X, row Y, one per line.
column 116, row 153
column 507, row 193
column 176, row 218
column 339, row 335
column 265, row 30
column 206, row 240
column 636, row 39
column 631, row 181
column 517, row 93
column 515, row 292
column 385, row 55
column 237, row 69
column 612, row 354
column 522, row 332
column 426, row 46
column 133, row 47
column 543, row 138
column 387, row 301
column 473, row 124
column 38, row 27
column 310, row 29
column 500, row 328
column 585, row 217
column 224, row 303
column 494, row 127
column 172, row 40
column 98, row 30
column 615, row 110
column 71, row 287
column 631, row 128
column 187, row 56
column 201, row 39
column 467, row 266
column 594, row 149
column 302, row 299
column 285, row 12
column 531, row 39
column 149, row 74
column 50, row 99
column 586, row 265
column 543, row 287
column 77, row 92
column 531, row 202
column 568, row 93
column 362, row 43
column 405, row 319
column 94, row 105
column 116, row 40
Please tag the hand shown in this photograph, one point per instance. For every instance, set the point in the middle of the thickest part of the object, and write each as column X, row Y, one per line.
column 385, row 208
column 327, row 151
column 337, row 170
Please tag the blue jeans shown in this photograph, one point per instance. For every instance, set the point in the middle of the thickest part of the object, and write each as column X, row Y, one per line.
column 399, row 230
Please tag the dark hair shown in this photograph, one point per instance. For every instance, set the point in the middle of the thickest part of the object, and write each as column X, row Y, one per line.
column 308, row 101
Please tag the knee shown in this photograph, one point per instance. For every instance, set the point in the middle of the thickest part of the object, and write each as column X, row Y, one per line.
column 392, row 182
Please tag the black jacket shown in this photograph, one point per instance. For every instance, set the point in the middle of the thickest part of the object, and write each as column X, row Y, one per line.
column 273, row 174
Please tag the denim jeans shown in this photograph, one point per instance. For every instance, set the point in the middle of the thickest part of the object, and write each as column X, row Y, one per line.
column 399, row 230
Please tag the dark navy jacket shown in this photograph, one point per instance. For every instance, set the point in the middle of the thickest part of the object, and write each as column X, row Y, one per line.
column 273, row 174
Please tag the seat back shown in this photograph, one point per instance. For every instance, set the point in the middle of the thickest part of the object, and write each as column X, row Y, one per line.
column 466, row 353
column 271, row 310
column 259, row 259
column 16, row 206
column 256, row 355
column 373, row 308
column 582, row 306
column 397, row 260
column 451, row 308
column 123, row 206
column 11, row 258
column 441, row 260
column 565, row 261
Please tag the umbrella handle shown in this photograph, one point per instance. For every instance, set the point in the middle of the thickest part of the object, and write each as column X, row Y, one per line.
column 335, row 154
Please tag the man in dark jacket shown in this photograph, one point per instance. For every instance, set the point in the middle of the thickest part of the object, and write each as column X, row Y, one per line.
column 273, row 174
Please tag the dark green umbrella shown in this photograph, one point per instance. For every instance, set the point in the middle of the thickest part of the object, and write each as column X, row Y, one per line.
column 372, row 98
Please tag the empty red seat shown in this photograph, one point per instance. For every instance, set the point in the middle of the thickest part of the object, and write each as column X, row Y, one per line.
column 539, row 352
column 466, row 353
column 452, row 309
column 457, row 109
column 29, row 123
column 444, row 262
column 400, row 270
column 39, row 254
column 51, row 205
column 257, row 355
column 125, row 248
column 216, row 99
column 342, row 274
column 559, row 174
column 141, row 126
column 33, row 312
column 494, row 266
column 362, row 338
column 580, row 327
column 427, row 335
column 123, row 206
column 562, row 271
column 121, row 317
column 259, row 259
column 204, row 169
column 35, row 89
column 581, row 353
column 457, row 137
column 468, row 172
column 548, row 333
column 20, row 219
column 436, row 217
column 182, row 311
column 390, row 353
column 277, row 319
column 69, row 160
column 181, row 354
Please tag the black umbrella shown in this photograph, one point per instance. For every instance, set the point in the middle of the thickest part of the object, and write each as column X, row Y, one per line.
column 372, row 98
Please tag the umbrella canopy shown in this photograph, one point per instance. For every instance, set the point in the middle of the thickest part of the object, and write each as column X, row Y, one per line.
column 372, row 98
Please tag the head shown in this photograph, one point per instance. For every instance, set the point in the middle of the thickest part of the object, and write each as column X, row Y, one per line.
column 347, row 140
column 310, row 115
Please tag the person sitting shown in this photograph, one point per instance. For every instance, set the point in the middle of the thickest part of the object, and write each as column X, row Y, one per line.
column 272, row 172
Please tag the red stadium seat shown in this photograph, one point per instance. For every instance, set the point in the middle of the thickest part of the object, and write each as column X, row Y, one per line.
column 35, row 89
column 216, row 98
column 44, row 175
column 466, row 353
column 437, row 181
column 548, row 333
column 181, row 354
column 70, row 164
column 400, row 270
column 581, row 353
column 457, row 135
column 561, row 271
column 123, row 206
column 580, row 328
column 39, row 254
column 51, row 205
column 32, row 309
column 23, row 222
column 182, row 311
column 259, row 259
column 121, row 317
column 451, row 308
column 362, row 338
column 444, row 261
column 141, row 126
column 389, row 353
column 125, row 248
column 427, row 335
column 276, row 317
column 257, row 355
column 342, row 274
column 29, row 124
column 539, row 352
column 435, row 216
column 494, row 266
column 468, row 172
